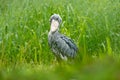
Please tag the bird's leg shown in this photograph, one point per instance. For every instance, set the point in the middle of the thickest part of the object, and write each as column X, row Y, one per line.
column 63, row 57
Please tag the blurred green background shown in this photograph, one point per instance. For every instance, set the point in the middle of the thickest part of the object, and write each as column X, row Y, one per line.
column 94, row 25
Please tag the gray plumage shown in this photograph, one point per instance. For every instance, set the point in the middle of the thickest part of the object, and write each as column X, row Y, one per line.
column 62, row 46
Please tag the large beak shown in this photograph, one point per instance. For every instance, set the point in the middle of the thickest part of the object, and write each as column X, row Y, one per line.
column 54, row 25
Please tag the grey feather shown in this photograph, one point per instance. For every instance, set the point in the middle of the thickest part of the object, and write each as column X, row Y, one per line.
column 62, row 45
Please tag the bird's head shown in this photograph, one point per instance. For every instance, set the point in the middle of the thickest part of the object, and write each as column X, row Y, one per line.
column 55, row 21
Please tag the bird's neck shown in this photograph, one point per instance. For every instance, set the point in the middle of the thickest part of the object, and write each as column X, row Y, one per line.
column 53, row 32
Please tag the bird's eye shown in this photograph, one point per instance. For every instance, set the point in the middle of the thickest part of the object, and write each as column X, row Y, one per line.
column 56, row 18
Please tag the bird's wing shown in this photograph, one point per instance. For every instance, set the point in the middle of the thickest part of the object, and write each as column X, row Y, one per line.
column 70, row 43
column 66, row 46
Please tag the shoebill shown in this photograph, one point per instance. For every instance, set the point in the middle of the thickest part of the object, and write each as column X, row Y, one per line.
column 62, row 46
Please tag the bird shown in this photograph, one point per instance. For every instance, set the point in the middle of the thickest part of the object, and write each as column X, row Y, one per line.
column 62, row 46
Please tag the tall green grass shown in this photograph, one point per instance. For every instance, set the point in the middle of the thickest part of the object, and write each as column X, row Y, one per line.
column 24, row 25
